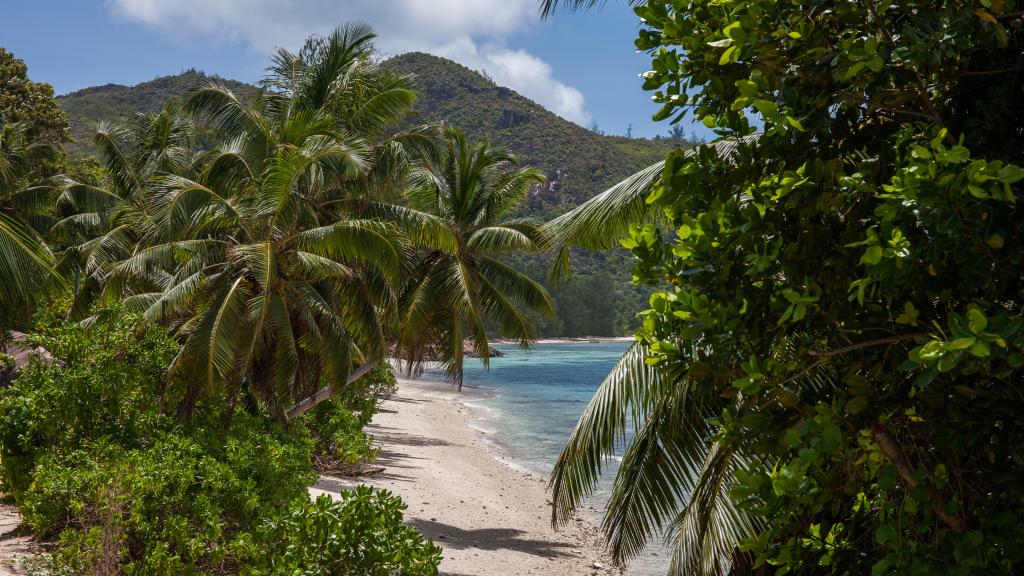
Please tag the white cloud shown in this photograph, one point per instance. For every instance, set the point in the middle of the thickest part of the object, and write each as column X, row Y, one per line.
column 471, row 32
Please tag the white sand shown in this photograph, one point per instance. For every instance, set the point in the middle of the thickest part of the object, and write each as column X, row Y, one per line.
column 488, row 517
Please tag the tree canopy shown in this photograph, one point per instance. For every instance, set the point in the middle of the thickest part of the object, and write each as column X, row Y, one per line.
column 829, row 382
column 30, row 103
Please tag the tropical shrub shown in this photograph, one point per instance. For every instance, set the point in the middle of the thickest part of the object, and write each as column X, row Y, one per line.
column 342, row 447
column 106, row 385
column 829, row 382
column 367, row 537
column 175, row 506
column 91, row 457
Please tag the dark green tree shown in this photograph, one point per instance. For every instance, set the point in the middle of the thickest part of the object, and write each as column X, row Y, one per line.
column 829, row 384
column 30, row 103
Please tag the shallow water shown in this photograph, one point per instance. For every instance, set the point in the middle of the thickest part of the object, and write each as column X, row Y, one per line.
column 529, row 401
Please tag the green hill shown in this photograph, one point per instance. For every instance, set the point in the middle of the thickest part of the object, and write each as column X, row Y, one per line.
column 112, row 102
column 579, row 163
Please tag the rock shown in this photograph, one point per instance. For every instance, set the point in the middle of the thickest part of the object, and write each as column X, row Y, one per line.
column 15, row 345
column 597, row 565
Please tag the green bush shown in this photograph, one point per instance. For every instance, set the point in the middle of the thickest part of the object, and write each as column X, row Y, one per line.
column 89, row 456
column 177, row 506
column 106, row 385
column 341, row 445
column 331, row 537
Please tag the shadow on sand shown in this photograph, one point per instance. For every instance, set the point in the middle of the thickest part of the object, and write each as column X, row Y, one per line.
column 490, row 539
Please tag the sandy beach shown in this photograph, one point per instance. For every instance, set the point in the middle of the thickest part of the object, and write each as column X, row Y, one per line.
column 487, row 516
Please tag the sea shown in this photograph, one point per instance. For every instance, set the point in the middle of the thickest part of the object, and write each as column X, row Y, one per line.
column 528, row 403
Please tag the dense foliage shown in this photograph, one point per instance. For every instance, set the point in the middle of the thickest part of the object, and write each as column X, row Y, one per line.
column 25, row 213
column 88, row 453
column 361, row 533
column 836, row 361
column 23, row 101
column 452, row 295
column 577, row 162
column 341, row 446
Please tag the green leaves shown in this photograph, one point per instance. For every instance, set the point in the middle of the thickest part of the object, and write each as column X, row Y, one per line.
column 864, row 251
column 976, row 320
column 872, row 255
column 798, row 305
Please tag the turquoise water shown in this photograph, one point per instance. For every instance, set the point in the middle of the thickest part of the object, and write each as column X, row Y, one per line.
column 529, row 402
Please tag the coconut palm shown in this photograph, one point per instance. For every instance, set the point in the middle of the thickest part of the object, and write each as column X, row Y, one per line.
column 675, row 474
column 456, row 293
column 266, row 296
column 103, row 224
column 24, row 258
column 273, row 282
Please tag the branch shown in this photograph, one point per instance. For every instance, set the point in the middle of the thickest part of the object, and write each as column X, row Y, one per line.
column 326, row 392
column 865, row 344
column 895, row 454
column 922, row 87
column 1011, row 15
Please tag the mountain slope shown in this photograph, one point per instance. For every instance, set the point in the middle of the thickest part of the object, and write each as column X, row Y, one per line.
column 579, row 163
column 112, row 102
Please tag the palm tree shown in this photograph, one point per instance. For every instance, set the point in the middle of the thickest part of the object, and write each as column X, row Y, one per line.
column 25, row 260
column 102, row 225
column 272, row 284
column 675, row 474
column 456, row 293
column 266, row 296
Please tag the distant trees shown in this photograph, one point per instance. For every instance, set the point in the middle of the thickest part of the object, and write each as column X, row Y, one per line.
column 586, row 306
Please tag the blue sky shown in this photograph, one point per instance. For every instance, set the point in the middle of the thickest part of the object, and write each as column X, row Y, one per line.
column 582, row 66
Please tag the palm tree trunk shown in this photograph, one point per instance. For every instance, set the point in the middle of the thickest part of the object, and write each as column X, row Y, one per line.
column 326, row 392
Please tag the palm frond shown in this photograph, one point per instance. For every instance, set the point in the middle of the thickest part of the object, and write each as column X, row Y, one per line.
column 364, row 241
column 600, row 431
column 599, row 223
column 24, row 260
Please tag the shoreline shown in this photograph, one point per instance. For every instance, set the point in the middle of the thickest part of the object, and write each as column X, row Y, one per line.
column 574, row 340
column 489, row 515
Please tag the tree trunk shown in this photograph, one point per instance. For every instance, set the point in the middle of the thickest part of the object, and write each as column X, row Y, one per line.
column 326, row 392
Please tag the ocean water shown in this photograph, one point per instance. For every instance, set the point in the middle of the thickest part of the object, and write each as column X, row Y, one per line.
column 528, row 403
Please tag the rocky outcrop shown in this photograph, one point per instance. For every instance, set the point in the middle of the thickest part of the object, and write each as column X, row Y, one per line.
column 16, row 353
column 470, row 351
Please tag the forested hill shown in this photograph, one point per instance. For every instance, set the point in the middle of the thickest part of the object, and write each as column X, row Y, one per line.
column 579, row 163
column 112, row 102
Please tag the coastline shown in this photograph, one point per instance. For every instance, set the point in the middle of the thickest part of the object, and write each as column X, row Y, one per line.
column 489, row 515
column 573, row 340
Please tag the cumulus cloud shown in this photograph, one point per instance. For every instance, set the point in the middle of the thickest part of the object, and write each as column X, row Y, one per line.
column 471, row 32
